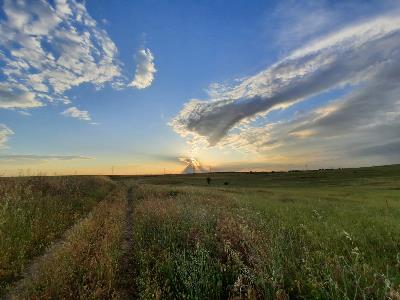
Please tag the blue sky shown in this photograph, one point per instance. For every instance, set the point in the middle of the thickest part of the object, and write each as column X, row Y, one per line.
column 265, row 96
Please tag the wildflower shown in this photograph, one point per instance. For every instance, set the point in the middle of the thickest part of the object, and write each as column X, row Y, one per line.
column 316, row 214
column 347, row 235
column 355, row 251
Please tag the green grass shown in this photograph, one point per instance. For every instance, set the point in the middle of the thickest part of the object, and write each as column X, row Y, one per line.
column 86, row 264
column 332, row 234
column 321, row 235
column 34, row 212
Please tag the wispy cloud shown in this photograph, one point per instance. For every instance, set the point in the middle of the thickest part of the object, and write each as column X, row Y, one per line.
column 296, row 22
column 145, row 69
column 5, row 132
column 74, row 112
column 33, row 157
column 363, row 56
column 24, row 113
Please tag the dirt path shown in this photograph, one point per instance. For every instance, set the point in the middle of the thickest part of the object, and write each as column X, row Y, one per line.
column 125, row 273
column 31, row 269
column 127, row 276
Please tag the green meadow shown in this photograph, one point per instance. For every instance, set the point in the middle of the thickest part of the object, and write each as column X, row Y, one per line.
column 326, row 234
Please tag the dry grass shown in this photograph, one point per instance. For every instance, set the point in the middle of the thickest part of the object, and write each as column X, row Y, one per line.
column 35, row 212
column 86, row 264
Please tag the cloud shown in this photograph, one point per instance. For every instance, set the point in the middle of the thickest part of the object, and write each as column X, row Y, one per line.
column 360, row 128
column 33, row 157
column 14, row 97
column 145, row 69
column 24, row 113
column 363, row 57
column 246, row 165
column 47, row 49
column 5, row 132
column 352, row 121
column 391, row 149
column 74, row 112
column 296, row 22
column 192, row 165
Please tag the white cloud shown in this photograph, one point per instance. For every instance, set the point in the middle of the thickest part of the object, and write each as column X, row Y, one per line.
column 297, row 21
column 12, row 96
column 5, row 132
column 145, row 69
column 48, row 49
column 357, row 55
column 24, row 113
column 74, row 112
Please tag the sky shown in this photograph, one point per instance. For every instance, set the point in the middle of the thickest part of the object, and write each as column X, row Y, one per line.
column 147, row 87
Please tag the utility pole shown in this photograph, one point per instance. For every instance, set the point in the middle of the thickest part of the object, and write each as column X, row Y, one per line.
column 112, row 170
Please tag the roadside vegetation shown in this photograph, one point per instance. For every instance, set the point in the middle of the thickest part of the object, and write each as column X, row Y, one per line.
column 36, row 211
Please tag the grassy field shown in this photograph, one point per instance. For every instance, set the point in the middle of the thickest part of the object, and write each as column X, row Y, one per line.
column 86, row 264
column 34, row 212
column 329, row 234
column 323, row 235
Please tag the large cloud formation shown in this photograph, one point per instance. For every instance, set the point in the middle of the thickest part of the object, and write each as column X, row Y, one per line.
column 48, row 49
column 363, row 56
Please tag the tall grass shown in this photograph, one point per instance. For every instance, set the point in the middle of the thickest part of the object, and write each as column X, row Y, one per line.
column 302, row 235
column 36, row 211
column 199, row 243
column 86, row 264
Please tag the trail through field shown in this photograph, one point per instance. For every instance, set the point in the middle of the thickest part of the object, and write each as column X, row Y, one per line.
column 264, row 236
column 36, row 212
column 127, row 264
column 36, row 262
column 85, row 264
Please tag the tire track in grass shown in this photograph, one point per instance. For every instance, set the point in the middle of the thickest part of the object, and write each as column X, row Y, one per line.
column 36, row 213
column 85, row 264
column 127, row 271
column 32, row 267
